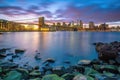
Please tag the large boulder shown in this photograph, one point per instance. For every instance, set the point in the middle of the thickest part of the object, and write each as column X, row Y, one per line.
column 13, row 75
column 52, row 77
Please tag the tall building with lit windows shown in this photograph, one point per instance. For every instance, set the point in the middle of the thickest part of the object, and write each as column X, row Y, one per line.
column 91, row 25
column 41, row 22
column 81, row 24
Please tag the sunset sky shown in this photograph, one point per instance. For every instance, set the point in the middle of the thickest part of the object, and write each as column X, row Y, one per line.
column 99, row 11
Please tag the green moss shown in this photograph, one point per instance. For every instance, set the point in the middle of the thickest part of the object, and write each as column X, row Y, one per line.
column 13, row 75
column 52, row 77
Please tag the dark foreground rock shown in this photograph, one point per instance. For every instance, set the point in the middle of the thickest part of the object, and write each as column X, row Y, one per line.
column 108, row 51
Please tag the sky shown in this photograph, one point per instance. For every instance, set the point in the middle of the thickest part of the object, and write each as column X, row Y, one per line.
column 99, row 11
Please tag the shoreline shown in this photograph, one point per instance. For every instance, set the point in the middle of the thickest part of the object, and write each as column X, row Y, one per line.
column 104, row 68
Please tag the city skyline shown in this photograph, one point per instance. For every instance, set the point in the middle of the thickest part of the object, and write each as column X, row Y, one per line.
column 62, row 11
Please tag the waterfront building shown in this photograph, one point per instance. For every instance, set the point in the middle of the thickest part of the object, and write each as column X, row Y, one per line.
column 91, row 25
column 81, row 24
column 64, row 24
column 41, row 22
column 103, row 26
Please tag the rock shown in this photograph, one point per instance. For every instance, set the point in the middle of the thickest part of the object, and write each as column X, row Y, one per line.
column 89, row 71
column 97, row 67
column 13, row 75
column 108, row 74
column 79, row 68
column 82, row 77
column 50, row 60
column 52, row 77
column 68, row 76
column 84, row 62
column 0, row 70
column 117, row 59
column 35, row 73
column 24, row 72
column 37, row 56
column 48, row 72
column 119, row 69
column 4, row 50
column 36, row 79
column 67, row 62
column 110, row 68
column 58, row 70
column 19, row 50
column 112, row 62
column 2, row 55
column 7, row 64
column 95, row 61
column 36, row 68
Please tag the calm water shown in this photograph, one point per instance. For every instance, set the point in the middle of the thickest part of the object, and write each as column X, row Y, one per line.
column 61, row 46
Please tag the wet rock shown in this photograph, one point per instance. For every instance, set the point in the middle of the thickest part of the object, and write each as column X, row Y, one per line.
column 36, row 68
column 68, row 76
column 119, row 69
column 89, row 71
column 24, row 72
column 95, row 61
column 35, row 79
column 13, row 75
column 4, row 50
column 84, row 62
column 67, row 62
column 58, row 70
column 109, row 68
column 7, row 64
column 82, row 77
column 79, row 68
column 0, row 69
column 35, row 73
column 117, row 59
column 50, row 60
column 112, row 62
column 37, row 56
column 70, row 69
column 19, row 50
column 2, row 55
column 108, row 74
column 15, row 56
column 48, row 72
column 52, row 77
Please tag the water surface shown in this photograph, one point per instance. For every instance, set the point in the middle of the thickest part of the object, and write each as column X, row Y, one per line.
column 61, row 46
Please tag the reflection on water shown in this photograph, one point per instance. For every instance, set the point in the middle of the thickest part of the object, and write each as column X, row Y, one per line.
column 61, row 46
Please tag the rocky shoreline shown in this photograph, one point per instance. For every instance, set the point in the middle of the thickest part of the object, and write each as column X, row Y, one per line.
column 106, row 67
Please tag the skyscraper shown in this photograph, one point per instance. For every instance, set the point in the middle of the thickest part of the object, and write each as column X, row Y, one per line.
column 91, row 25
column 41, row 22
column 81, row 24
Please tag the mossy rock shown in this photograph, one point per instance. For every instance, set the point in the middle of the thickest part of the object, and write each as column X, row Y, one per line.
column 52, row 77
column 89, row 71
column 97, row 67
column 24, row 72
column 13, row 75
column 68, row 76
column 35, row 73
column 113, row 67
column 108, row 74
column 82, row 77
column 36, row 79
column 0, row 69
